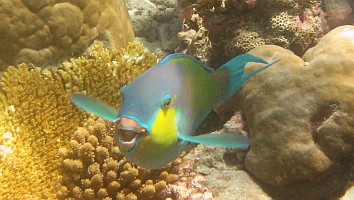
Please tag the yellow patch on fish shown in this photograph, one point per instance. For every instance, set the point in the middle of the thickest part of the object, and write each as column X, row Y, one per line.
column 164, row 128
column 163, row 134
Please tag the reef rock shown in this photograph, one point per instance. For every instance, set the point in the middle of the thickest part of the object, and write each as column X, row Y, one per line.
column 233, row 27
column 299, row 112
column 156, row 24
column 49, row 32
column 339, row 12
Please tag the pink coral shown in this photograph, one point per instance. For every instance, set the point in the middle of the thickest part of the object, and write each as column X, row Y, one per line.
column 190, row 187
column 305, row 21
column 339, row 12
column 250, row 3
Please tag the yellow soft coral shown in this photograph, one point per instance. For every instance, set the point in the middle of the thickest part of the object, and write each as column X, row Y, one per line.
column 37, row 116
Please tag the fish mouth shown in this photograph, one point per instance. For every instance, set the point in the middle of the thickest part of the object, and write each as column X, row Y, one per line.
column 128, row 132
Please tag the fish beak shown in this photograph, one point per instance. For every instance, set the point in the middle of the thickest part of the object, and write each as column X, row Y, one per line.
column 128, row 132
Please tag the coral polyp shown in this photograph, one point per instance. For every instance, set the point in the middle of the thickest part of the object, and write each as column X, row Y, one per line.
column 93, row 168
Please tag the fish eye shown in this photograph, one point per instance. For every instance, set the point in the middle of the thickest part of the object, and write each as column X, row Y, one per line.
column 166, row 101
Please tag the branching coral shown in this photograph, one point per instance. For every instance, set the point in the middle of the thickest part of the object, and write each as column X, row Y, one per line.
column 37, row 117
column 93, row 168
column 48, row 32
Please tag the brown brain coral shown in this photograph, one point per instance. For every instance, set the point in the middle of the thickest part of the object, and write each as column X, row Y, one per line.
column 37, row 117
column 300, row 112
column 93, row 168
column 48, row 32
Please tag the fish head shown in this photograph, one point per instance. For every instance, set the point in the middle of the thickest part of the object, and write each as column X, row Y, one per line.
column 146, row 126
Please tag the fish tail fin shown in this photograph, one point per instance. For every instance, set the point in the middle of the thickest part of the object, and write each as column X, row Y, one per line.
column 234, row 70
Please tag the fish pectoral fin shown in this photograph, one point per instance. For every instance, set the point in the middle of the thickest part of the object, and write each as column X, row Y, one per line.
column 219, row 139
column 94, row 106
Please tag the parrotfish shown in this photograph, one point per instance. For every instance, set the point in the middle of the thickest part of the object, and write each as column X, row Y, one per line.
column 163, row 107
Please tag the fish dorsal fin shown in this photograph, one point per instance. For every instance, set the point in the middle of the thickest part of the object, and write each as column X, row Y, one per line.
column 219, row 139
column 181, row 57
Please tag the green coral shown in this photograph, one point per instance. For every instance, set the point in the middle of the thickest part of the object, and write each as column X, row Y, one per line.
column 38, row 118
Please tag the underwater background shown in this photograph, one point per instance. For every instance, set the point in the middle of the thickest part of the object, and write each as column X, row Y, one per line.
column 299, row 113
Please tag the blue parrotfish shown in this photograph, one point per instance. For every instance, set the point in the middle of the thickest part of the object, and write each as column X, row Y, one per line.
column 163, row 107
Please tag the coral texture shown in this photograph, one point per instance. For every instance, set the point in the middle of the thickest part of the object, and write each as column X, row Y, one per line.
column 339, row 12
column 38, row 118
column 300, row 112
column 93, row 168
column 48, row 32
column 156, row 24
column 236, row 26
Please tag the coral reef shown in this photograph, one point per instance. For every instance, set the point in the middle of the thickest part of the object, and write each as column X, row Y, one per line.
column 236, row 26
column 223, row 168
column 49, row 32
column 38, row 118
column 339, row 12
column 93, row 168
column 156, row 24
column 282, row 23
column 299, row 114
column 190, row 186
column 244, row 41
